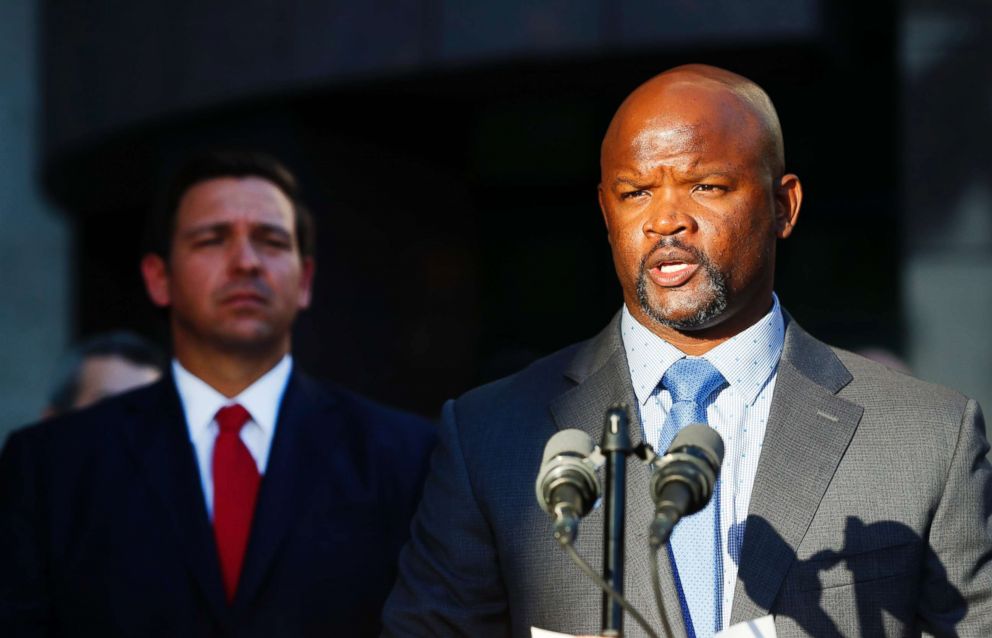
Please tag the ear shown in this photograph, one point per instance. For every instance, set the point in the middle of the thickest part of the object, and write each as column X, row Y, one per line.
column 788, row 199
column 602, row 207
column 155, row 272
column 306, row 283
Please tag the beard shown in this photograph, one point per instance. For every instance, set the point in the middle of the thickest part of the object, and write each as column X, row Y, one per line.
column 685, row 312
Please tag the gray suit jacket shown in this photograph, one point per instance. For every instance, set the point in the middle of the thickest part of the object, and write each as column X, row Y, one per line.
column 870, row 513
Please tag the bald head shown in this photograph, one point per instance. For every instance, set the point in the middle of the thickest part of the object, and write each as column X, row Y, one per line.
column 694, row 196
column 697, row 96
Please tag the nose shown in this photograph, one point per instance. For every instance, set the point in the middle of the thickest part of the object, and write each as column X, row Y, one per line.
column 244, row 257
column 668, row 216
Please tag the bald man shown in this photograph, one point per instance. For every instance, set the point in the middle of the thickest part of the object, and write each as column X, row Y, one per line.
column 852, row 501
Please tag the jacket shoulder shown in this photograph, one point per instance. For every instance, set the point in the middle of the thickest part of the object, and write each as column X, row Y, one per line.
column 533, row 386
column 876, row 385
column 81, row 429
column 380, row 421
column 919, row 419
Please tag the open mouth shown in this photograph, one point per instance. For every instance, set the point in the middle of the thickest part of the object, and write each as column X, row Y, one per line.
column 673, row 273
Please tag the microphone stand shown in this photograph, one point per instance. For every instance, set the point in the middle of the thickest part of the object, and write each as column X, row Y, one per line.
column 616, row 446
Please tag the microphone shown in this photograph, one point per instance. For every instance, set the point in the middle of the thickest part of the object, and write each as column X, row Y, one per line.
column 684, row 478
column 567, row 486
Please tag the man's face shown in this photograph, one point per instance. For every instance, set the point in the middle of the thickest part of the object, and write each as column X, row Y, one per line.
column 104, row 376
column 692, row 211
column 235, row 278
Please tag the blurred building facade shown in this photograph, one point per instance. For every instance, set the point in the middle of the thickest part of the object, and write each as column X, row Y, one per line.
column 450, row 151
column 36, row 280
column 945, row 62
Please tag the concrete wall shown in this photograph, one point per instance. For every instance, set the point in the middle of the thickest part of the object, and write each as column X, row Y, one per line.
column 35, row 241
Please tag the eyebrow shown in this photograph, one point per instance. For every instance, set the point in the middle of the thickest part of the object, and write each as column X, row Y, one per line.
column 629, row 181
column 272, row 228
column 221, row 227
column 206, row 228
column 636, row 182
column 723, row 174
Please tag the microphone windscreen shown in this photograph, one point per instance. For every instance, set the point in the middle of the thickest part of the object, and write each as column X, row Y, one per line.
column 702, row 437
column 570, row 442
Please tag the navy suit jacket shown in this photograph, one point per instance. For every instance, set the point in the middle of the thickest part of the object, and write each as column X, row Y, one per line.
column 104, row 531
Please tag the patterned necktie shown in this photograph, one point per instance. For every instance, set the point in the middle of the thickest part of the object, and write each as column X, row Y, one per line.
column 236, row 482
column 695, row 544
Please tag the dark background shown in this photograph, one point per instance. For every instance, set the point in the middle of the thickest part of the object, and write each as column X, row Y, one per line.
column 450, row 153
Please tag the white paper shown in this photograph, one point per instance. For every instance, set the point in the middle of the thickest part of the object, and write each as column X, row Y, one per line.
column 763, row 627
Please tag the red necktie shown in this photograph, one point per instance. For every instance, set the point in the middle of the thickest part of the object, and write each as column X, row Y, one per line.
column 236, row 482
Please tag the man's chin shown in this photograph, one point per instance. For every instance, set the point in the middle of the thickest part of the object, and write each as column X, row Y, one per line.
column 695, row 305
column 682, row 324
column 686, row 317
column 256, row 338
column 698, row 304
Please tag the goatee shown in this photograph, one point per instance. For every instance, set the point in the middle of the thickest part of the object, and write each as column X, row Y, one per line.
column 707, row 304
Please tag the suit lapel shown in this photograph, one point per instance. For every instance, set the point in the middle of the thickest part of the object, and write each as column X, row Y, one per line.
column 308, row 426
column 159, row 440
column 603, row 377
column 808, row 430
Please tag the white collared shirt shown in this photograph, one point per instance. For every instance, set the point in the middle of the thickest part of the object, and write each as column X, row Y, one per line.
column 200, row 405
column 739, row 412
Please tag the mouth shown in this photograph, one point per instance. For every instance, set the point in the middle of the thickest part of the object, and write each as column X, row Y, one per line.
column 243, row 299
column 672, row 274
column 672, row 268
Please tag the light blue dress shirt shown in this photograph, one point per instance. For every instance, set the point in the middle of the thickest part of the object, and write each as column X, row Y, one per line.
column 739, row 412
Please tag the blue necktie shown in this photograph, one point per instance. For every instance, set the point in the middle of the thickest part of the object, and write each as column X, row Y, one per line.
column 695, row 544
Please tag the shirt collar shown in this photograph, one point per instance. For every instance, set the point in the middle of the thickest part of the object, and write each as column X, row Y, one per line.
column 747, row 360
column 262, row 398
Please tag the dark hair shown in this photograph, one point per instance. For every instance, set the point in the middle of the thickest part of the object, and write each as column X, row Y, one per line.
column 119, row 343
column 227, row 163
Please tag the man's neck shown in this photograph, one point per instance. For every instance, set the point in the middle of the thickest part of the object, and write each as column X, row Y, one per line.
column 228, row 373
column 696, row 343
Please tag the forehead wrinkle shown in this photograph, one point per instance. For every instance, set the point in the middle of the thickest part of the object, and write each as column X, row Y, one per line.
column 233, row 197
column 227, row 225
column 224, row 215
column 690, row 147
column 205, row 227
column 684, row 146
column 652, row 139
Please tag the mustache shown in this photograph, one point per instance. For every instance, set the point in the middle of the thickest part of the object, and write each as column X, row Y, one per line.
column 678, row 244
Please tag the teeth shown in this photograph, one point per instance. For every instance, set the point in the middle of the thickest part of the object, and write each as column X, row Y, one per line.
column 669, row 268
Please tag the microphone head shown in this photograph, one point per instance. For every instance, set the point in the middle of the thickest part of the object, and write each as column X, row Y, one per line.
column 567, row 464
column 571, row 442
column 701, row 439
column 693, row 461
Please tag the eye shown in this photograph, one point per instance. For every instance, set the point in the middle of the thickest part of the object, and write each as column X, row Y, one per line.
column 276, row 240
column 709, row 188
column 635, row 194
column 211, row 240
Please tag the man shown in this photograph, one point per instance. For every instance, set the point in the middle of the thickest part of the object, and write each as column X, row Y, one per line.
column 852, row 500
column 101, row 366
column 236, row 496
